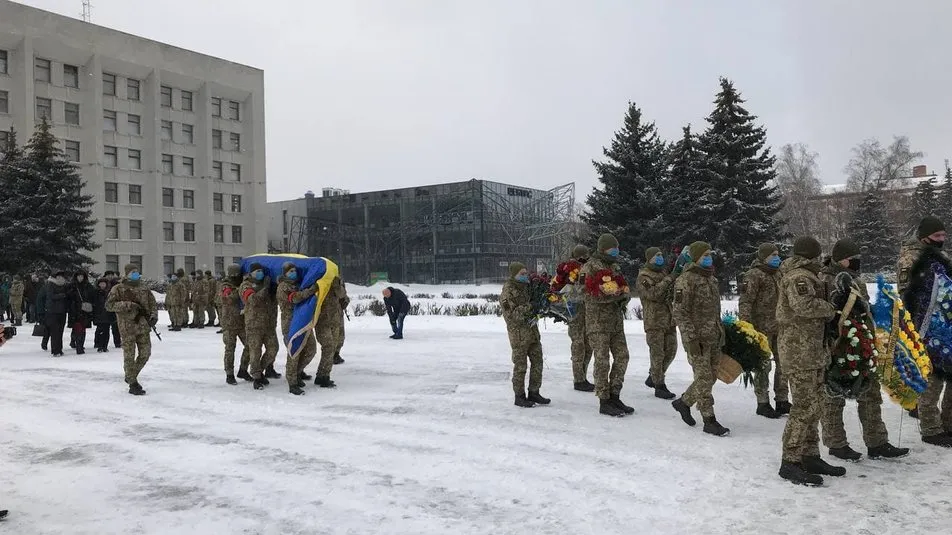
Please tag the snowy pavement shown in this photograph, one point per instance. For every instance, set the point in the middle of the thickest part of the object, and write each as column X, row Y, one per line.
column 419, row 437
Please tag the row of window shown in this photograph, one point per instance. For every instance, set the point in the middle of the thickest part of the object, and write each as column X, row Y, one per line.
column 168, row 231
column 43, row 72
column 169, row 264
column 168, row 197
column 4, row 102
column 4, row 62
column 109, row 86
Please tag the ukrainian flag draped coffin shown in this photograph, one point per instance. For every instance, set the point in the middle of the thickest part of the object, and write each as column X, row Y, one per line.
column 319, row 271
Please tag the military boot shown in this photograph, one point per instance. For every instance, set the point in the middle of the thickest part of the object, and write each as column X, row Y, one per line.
column 523, row 401
column 608, row 408
column 817, row 466
column 243, row 374
column 765, row 410
column 535, row 397
column 712, row 427
column 685, row 411
column 661, row 391
column 175, row 329
column 230, row 379
column 259, row 383
column 846, row 453
column 296, row 390
column 783, row 407
column 337, row 359
column 324, row 382
column 304, row 377
column 887, row 451
column 649, row 383
column 914, row 413
column 136, row 389
column 210, row 323
column 264, row 380
column 794, row 473
column 585, row 386
column 941, row 439
column 618, row 403
column 271, row 374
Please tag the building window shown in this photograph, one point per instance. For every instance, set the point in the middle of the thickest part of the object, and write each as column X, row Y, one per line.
column 188, row 198
column 168, row 265
column 72, row 150
column 167, row 130
column 135, row 159
column 189, row 232
column 71, row 112
column 108, row 84
column 216, row 139
column 109, row 120
column 234, row 110
column 216, row 107
column 236, row 172
column 187, row 100
column 71, row 76
column 166, row 96
column 135, row 124
column 135, row 194
column 4, row 102
column 137, row 260
column 235, row 141
column 112, row 262
column 236, row 234
column 187, row 134
column 44, row 109
column 216, row 170
column 219, row 265
column 189, row 165
column 190, row 264
column 41, row 70
column 135, row 229
column 236, row 203
column 110, row 156
column 168, row 197
column 132, row 89
column 112, row 229
column 218, row 203
column 112, row 192
column 167, row 164
column 3, row 62
column 284, row 223
column 219, row 233
column 168, row 231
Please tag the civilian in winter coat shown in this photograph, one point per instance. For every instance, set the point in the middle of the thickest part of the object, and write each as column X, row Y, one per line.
column 81, row 296
column 102, row 317
column 41, row 310
column 30, row 287
column 398, row 306
column 5, row 297
column 55, row 310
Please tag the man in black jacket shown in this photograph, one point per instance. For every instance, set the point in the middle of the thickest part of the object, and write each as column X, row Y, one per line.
column 398, row 306
column 56, row 307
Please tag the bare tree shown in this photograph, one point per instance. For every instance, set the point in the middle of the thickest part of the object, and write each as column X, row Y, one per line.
column 798, row 181
column 878, row 167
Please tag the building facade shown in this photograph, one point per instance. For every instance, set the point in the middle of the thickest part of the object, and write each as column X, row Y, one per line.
column 460, row 232
column 169, row 142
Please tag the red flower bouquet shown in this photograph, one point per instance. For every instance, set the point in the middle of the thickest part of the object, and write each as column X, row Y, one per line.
column 606, row 283
column 566, row 273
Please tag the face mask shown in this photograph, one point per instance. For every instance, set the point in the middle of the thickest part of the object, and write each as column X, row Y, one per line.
column 936, row 244
column 707, row 261
column 174, row 278
column 522, row 278
column 854, row 264
column 292, row 275
column 773, row 261
column 659, row 261
column 613, row 252
column 81, row 278
column 135, row 276
column 259, row 275
column 59, row 280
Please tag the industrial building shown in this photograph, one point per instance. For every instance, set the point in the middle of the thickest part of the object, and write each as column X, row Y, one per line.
column 459, row 232
column 170, row 142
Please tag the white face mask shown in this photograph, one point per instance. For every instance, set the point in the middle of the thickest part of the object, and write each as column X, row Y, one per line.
column 59, row 281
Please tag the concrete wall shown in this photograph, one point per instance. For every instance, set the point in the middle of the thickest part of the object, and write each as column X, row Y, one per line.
column 281, row 215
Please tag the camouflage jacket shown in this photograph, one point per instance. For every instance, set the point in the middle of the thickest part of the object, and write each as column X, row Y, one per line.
column 828, row 275
column 802, row 313
column 759, row 293
column 135, row 308
column 198, row 295
column 289, row 294
column 655, row 291
column 177, row 294
column 16, row 291
column 516, row 309
column 604, row 314
column 258, row 302
column 333, row 307
column 697, row 306
column 231, row 319
column 211, row 289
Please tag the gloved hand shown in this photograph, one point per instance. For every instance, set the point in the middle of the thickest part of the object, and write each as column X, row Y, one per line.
column 694, row 347
column 86, row 307
column 153, row 321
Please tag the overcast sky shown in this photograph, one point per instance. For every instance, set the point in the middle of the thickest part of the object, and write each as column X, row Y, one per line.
column 373, row 94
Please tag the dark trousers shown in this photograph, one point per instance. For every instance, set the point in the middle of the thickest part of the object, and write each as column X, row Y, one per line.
column 116, row 339
column 56, row 323
column 30, row 313
column 101, row 339
column 397, row 324
column 79, row 335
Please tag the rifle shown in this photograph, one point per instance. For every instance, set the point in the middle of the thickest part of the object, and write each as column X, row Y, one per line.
column 142, row 315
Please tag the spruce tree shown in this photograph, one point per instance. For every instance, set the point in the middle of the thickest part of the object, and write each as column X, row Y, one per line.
column 14, row 181
column 925, row 201
column 628, row 203
column 740, row 205
column 870, row 228
column 685, row 219
column 944, row 199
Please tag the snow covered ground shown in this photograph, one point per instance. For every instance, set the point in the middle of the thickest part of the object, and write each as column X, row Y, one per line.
column 419, row 437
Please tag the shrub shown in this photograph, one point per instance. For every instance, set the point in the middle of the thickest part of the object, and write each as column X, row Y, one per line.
column 415, row 309
column 639, row 312
column 466, row 309
column 447, row 295
column 423, row 296
column 492, row 298
column 433, row 309
column 365, row 297
column 468, row 296
column 377, row 308
column 359, row 310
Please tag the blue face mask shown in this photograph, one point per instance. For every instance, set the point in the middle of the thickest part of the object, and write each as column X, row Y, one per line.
column 706, row 261
column 259, row 275
column 613, row 252
column 174, row 278
column 773, row 261
column 134, row 276
column 659, row 261
column 292, row 275
column 522, row 278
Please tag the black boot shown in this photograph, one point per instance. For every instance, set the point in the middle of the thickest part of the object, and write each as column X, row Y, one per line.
column 175, row 329
column 794, row 473
column 301, row 383
column 80, row 350
column 685, row 411
column 661, row 391
column 783, row 407
column 585, row 386
column 136, row 389
column 304, row 377
column 243, row 374
column 942, row 440
column 259, row 383
column 817, row 466
column 271, row 374
column 847, row 453
column 608, row 408
column 210, row 323
column 712, row 427
column 296, row 390
column 887, row 451
column 765, row 410
column 324, row 382
column 535, row 397
column 649, row 383
column 264, row 380
column 230, row 379
column 914, row 413
column 337, row 359
column 523, row 401
column 618, row 403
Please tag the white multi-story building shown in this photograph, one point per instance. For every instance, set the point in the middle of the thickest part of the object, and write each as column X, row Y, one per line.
column 170, row 142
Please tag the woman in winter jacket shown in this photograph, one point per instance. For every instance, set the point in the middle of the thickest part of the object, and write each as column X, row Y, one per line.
column 81, row 297
column 54, row 311
column 101, row 317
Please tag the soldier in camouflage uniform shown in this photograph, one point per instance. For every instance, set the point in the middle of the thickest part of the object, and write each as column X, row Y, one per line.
column 802, row 313
column 233, row 326
column 758, row 306
column 845, row 257
column 523, row 337
column 176, row 298
column 137, row 312
column 290, row 294
column 255, row 294
column 271, row 344
column 917, row 260
column 16, row 300
column 345, row 302
column 581, row 347
column 605, row 330
column 655, row 290
column 329, row 332
column 697, row 311
column 211, row 290
column 199, row 300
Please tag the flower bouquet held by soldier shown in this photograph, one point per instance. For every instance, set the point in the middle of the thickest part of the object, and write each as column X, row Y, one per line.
column 919, row 262
column 748, row 348
column 697, row 311
column 137, row 312
column 656, row 291
column 606, row 298
column 851, row 373
column 802, row 314
column 570, row 283
column 758, row 306
column 903, row 364
column 398, row 306
column 523, row 328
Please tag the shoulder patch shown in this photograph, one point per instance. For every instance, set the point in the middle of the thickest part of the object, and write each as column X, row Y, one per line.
column 904, row 275
column 646, row 282
column 802, row 288
column 678, row 295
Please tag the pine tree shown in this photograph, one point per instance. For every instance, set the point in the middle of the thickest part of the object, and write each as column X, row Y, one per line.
column 685, row 219
column 740, row 206
column 628, row 202
column 870, row 228
column 944, row 199
column 925, row 201
column 13, row 181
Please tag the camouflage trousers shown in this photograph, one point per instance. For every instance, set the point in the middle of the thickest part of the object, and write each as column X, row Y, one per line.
column 295, row 364
column 611, row 362
column 198, row 314
column 16, row 307
column 762, row 379
column 230, row 338
column 132, row 363
column 801, row 436
column 932, row 419
column 662, row 347
column 330, row 336
column 701, row 390
column 211, row 311
column 257, row 338
column 868, row 405
column 581, row 351
column 522, row 352
column 178, row 314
